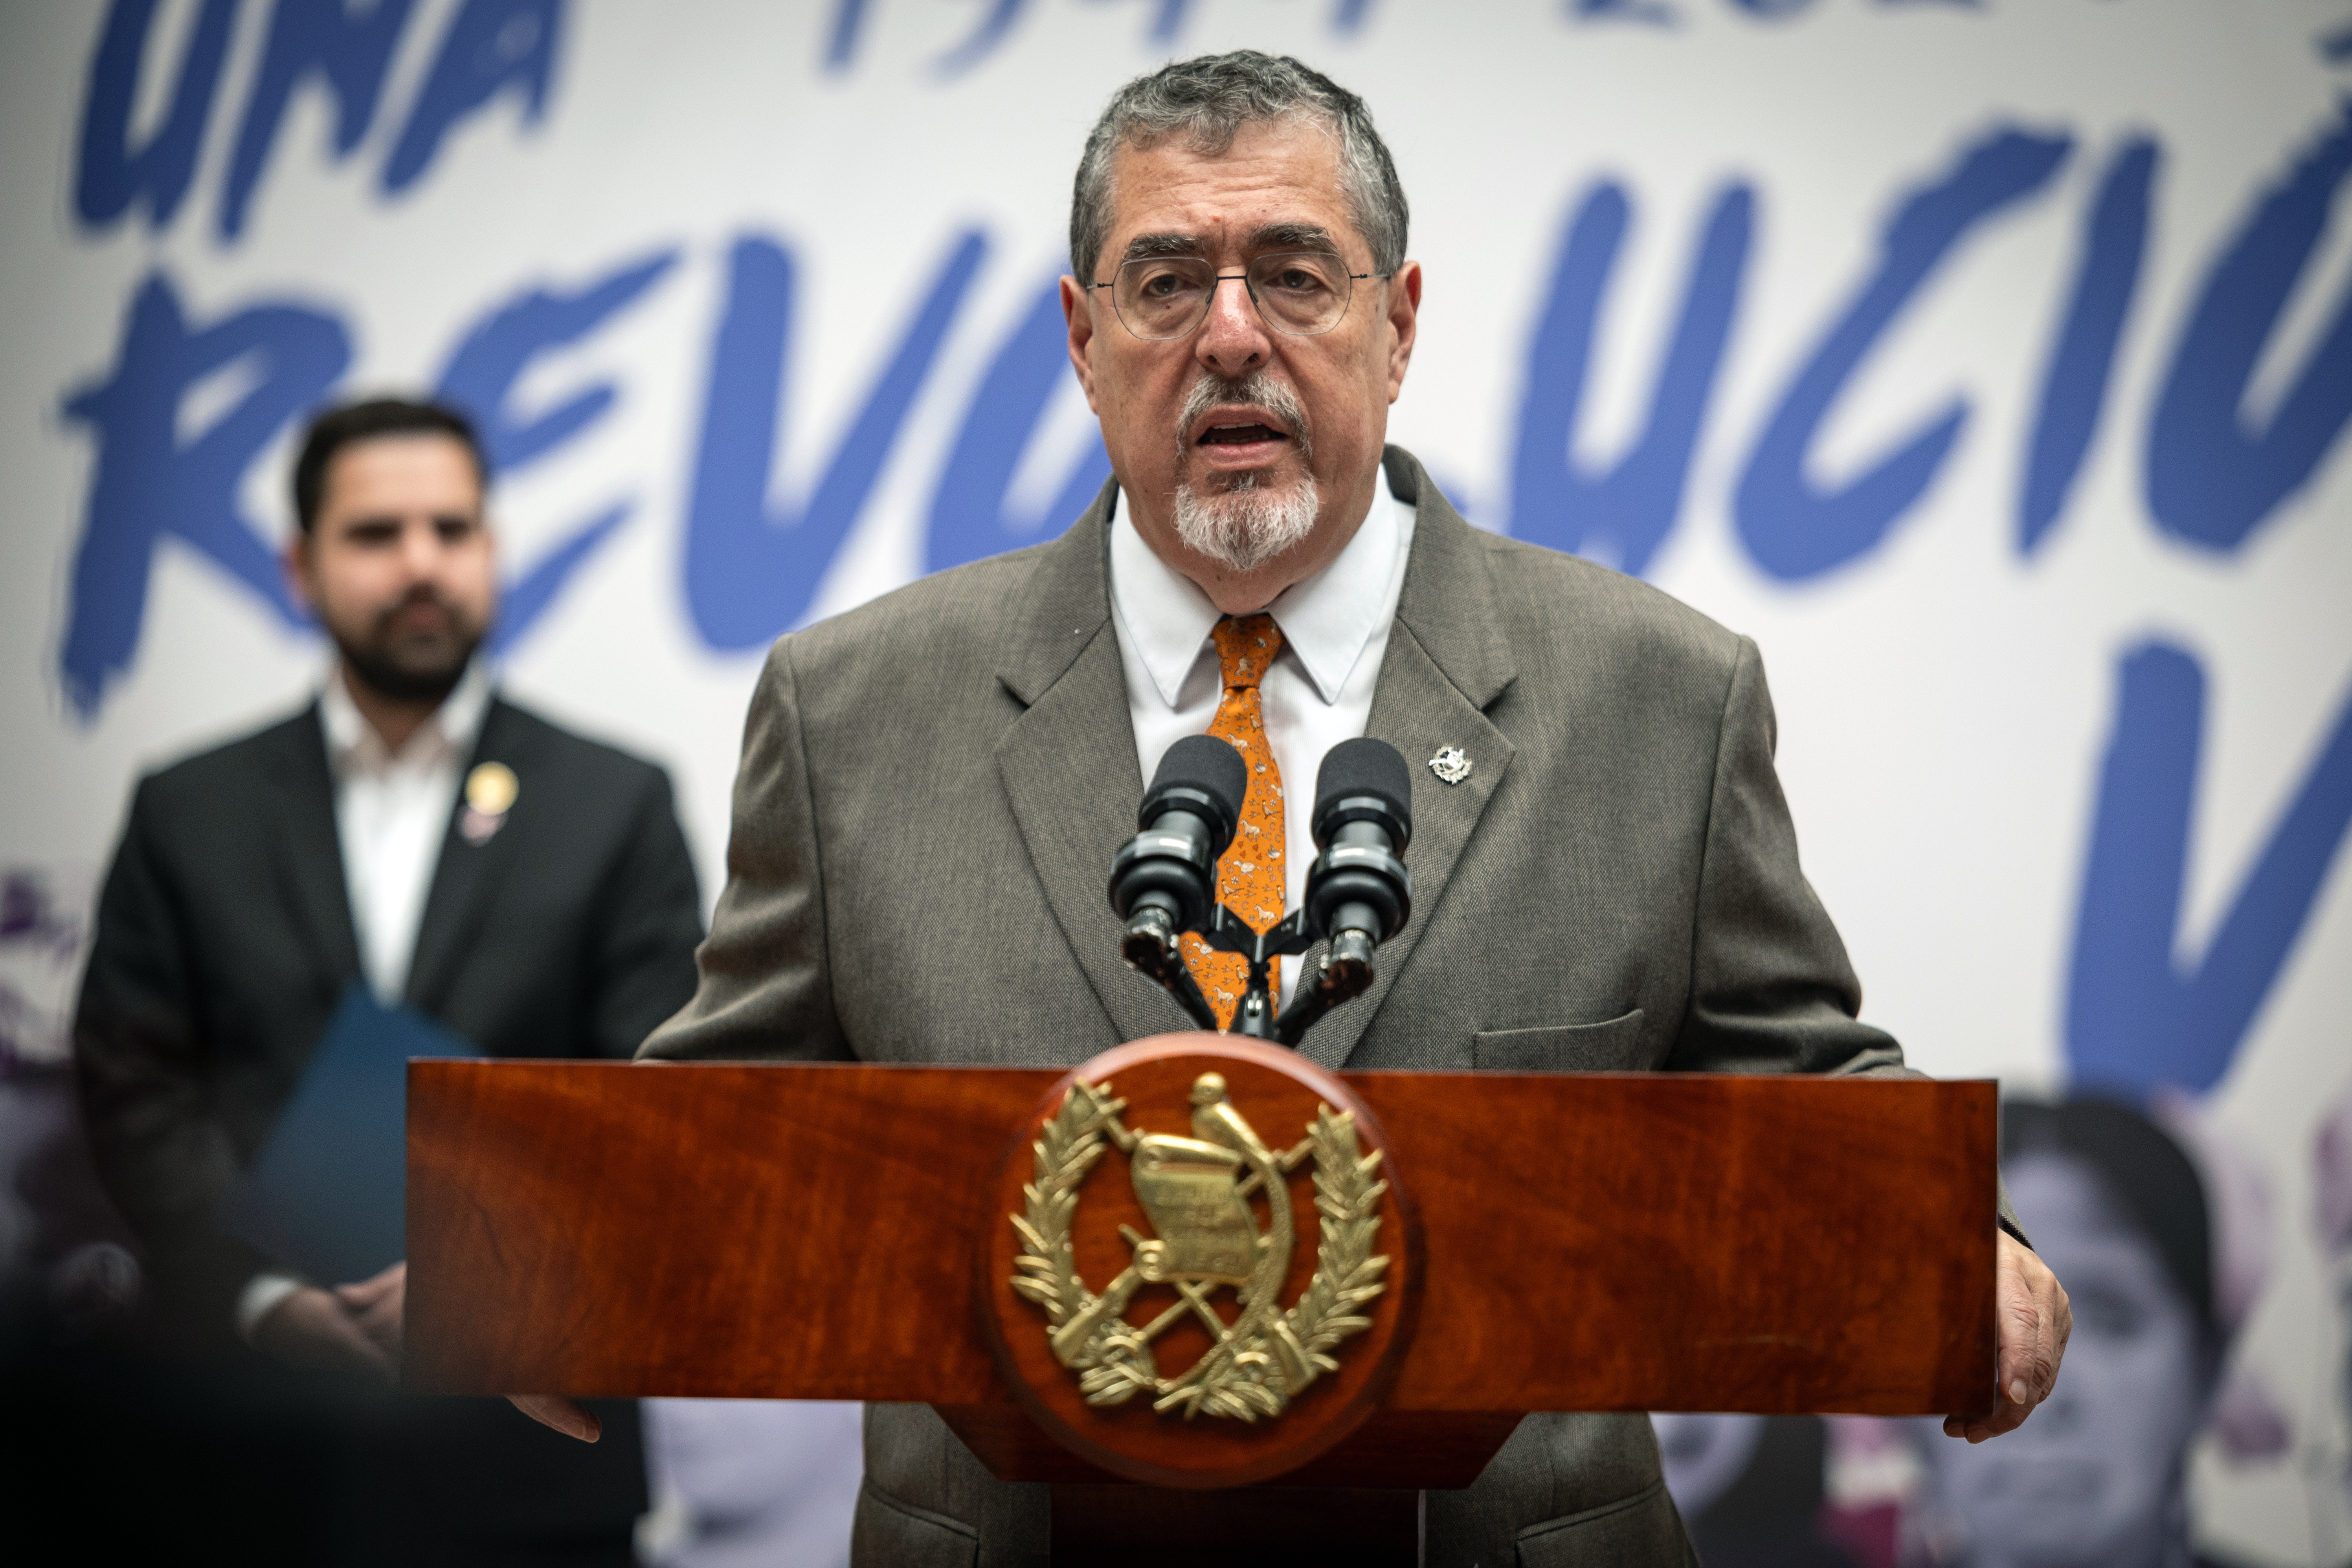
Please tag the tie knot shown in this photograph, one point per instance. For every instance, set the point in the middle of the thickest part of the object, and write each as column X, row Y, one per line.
column 1246, row 646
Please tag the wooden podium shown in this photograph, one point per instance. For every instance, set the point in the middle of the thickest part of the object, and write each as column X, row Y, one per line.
column 1552, row 1242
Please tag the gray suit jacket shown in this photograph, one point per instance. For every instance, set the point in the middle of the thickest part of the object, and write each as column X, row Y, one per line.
column 931, row 789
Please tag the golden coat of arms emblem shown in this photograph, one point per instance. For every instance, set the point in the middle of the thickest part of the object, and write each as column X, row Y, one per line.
column 1220, row 1203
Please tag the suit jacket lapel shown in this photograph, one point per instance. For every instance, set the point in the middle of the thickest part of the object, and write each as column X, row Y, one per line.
column 1445, row 665
column 468, row 874
column 1067, row 764
column 309, row 851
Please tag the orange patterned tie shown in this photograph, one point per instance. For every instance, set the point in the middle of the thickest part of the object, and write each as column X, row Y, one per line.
column 1250, row 874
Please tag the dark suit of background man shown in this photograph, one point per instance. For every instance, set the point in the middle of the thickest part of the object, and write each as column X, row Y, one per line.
column 1604, row 872
column 548, row 911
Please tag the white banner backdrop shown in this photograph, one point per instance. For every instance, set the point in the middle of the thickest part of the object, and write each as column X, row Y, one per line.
column 1986, row 361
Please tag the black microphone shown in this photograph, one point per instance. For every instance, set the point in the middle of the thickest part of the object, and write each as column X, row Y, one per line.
column 1163, row 880
column 1358, row 893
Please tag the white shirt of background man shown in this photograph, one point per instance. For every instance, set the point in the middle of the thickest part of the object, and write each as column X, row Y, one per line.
column 392, row 817
column 392, row 814
column 1335, row 630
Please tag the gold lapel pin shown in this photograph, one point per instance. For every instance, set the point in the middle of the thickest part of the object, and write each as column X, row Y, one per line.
column 490, row 791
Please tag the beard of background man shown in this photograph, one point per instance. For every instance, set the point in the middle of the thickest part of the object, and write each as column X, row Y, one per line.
column 1245, row 523
column 415, row 650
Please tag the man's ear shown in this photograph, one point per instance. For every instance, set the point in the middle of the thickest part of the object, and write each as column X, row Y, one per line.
column 295, row 560
column 1405, row 322
column 497, row 582
column 1079, row 313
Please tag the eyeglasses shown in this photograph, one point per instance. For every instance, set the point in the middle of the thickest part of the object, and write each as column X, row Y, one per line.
column 1301, row 293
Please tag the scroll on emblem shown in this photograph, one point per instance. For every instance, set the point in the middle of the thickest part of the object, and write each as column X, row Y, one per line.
column 1219, row 1204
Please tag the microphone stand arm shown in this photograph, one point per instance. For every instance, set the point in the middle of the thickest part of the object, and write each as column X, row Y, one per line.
column 1345, row 972
column 1152, row 947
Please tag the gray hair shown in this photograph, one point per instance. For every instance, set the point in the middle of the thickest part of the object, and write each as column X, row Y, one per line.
column 1208, row 100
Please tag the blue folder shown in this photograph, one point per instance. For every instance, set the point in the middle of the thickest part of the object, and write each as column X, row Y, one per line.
column 328, row 1195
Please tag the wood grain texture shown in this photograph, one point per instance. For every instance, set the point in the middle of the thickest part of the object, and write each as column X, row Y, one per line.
column 1590, row 1242
column 732, row 1232
column 1779, row 1245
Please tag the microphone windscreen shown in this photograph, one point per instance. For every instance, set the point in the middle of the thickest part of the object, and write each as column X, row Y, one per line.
column 1204, row 763
column 1355, row 769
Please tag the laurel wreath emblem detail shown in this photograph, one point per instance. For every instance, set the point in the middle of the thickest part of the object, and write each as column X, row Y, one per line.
column 1268, row 1355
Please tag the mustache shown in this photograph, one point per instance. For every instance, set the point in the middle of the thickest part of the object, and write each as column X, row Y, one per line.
column 422, row 594
column 1207, row 390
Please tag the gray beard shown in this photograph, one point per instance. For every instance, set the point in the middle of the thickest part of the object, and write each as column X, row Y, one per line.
column 1244, row 525
column 1247, row 525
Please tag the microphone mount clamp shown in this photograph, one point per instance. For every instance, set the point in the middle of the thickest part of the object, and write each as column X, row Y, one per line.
column 1152, row 946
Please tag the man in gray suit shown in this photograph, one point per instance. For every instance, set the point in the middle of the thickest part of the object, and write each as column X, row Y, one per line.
column 1604, row 872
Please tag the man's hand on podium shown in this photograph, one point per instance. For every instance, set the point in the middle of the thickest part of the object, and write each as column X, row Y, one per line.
column 357, row 1328
column 352, row 1328
column 568, row 1417
column 2034, row 1322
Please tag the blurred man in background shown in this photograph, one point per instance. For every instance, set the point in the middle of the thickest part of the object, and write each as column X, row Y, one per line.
column 412, row 831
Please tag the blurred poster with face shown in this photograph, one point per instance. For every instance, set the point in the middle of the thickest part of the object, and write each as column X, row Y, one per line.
column 2099, row 1476
column 2096, row 1476
column 1750, row 1489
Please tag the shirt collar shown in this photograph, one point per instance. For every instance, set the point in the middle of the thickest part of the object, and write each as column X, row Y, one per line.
column 352, row 741
column 1326, row 620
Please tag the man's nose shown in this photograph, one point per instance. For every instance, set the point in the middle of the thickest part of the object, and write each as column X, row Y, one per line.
column 1233, row 342
column 420, row 549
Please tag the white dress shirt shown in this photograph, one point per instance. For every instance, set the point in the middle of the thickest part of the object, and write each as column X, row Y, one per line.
column 1334, row 629
column 392, row 814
